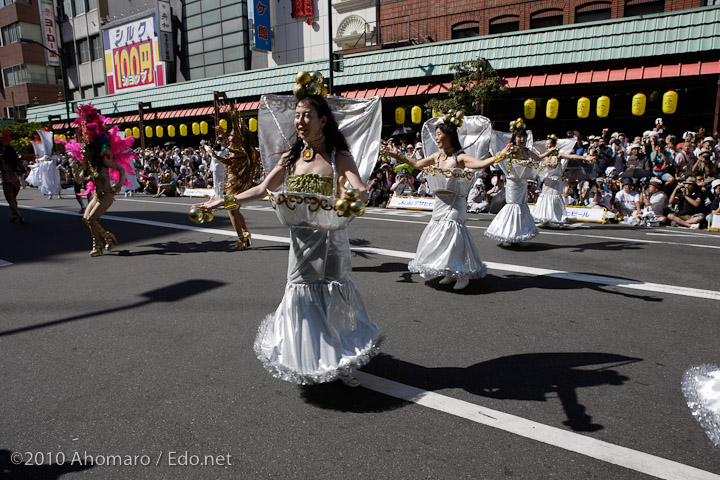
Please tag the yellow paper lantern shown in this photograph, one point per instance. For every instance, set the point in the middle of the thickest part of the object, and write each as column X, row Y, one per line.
column 252, row 124
column 530, row 107
column 435, row 113
column 603, row 106
column 159, row 131
column 416, row 114
column 204, row 127
column 196, row 128
column 171, row 130
column 551, row 108
column 136, row 132
column 399, row 115
column 583, row 107
column 638, row 104
column 670, row 100
column 128, row 132
column 183, row 130
column 148, row 131
column 223, row 124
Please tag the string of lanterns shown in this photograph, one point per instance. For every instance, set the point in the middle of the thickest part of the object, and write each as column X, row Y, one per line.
column 415, row 115
column 602, row 109
column 196, row 128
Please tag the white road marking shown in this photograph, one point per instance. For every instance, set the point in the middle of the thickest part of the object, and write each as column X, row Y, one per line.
column 540, row 272
column 607, row 452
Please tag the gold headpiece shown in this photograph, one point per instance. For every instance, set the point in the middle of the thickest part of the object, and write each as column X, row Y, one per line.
column 454, row 117
column 552, row 136
column 517, row 125
column 309, row 84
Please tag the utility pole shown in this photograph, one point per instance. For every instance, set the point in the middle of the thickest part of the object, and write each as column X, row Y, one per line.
column 330, row 47
column 217, row 99
column 142, row 105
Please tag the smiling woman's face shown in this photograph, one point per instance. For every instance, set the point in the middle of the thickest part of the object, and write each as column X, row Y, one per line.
column 308, row 123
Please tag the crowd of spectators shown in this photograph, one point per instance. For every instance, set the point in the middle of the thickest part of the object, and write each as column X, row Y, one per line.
column 655, row 178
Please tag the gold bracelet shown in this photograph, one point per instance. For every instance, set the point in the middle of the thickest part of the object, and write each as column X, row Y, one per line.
column 230, row 202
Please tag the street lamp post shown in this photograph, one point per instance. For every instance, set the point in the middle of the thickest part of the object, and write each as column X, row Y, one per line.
column 141, row 114
column 62, row 71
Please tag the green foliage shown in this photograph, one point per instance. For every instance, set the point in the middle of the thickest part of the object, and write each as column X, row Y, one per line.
column 21, row 134
column 475, row 82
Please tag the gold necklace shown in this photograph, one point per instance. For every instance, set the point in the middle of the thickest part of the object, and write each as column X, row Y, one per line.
column 308, row 152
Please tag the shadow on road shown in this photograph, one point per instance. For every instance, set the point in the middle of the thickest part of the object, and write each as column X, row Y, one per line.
column 527, row 377
column 514, row 283
column 609, row 246
column 11, row 471
column 171, row 293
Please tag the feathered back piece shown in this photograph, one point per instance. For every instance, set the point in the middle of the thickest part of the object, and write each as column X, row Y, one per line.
column 91, row 129
column 243, row 164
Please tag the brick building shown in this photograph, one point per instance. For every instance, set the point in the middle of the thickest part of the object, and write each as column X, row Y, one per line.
column 412, row 22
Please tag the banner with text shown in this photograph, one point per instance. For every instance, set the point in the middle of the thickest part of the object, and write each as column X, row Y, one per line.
column 261, row 25
column 132, row 59
column 49, row 33
column 411, row 203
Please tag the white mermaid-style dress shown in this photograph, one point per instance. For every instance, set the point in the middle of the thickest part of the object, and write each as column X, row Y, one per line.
column 446, row 248
column 514, row 223
column 321, row 329
column 550, row 205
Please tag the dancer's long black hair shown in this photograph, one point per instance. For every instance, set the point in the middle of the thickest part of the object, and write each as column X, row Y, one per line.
column 334, row 139
column 451, row 130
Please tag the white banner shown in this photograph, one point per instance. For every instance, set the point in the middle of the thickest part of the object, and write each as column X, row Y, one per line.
column 411, row 203
column 714, row 222
column 198, row 192
column 581, row 214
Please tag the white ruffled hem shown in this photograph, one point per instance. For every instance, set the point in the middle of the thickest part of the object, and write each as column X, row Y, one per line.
column 694, row 382
column 283, row 372
column 513, row 239
column 428, row 273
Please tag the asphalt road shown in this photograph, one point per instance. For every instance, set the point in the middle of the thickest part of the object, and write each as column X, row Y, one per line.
column 564, row 362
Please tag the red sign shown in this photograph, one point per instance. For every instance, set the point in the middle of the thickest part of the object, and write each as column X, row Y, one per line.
column 302, row 8
column 134, row 65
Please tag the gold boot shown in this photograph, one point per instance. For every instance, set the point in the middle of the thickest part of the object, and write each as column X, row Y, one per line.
column 244, row 241
column 97, row 245
column 110, row 240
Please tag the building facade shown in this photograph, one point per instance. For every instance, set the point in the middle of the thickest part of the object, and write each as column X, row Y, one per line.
column 29, row 76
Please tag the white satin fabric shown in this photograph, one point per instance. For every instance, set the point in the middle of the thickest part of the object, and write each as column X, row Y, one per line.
column 550, row 205
column 46, row 176
column 321, row 328
column 514, row 223
column 217, row 168
column 446, row 247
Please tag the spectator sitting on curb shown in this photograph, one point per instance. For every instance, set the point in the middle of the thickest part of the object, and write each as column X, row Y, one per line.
column 689, row 205
column 168, row 187
column 715, row 206
column 655, row 201
column 627, row 201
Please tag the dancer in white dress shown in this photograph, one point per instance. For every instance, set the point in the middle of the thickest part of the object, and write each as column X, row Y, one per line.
column 550, row 206
column 514, row 224
column 446, row 248
column 321, row 330
column 701, row 386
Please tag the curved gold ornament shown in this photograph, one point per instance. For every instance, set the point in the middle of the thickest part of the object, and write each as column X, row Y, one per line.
column 303, row 77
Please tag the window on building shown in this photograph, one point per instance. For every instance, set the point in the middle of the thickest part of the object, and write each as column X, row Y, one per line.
column 79, row 7
column 69, row 54
column 593, row 12
column 551, row 17
column 10, row 2
column 96, row 47
column 68, row 9
column 17, row 113
column 15, row 75
column 83, row 47
column 466, row 30
column 506, row 23
column 11, row 33
column 92, row 4
column 643, row 7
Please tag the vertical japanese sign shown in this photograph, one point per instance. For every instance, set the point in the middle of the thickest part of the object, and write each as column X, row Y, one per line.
column 132, row 58
column 49, row 34
column 261, row 11
column 164, row 19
